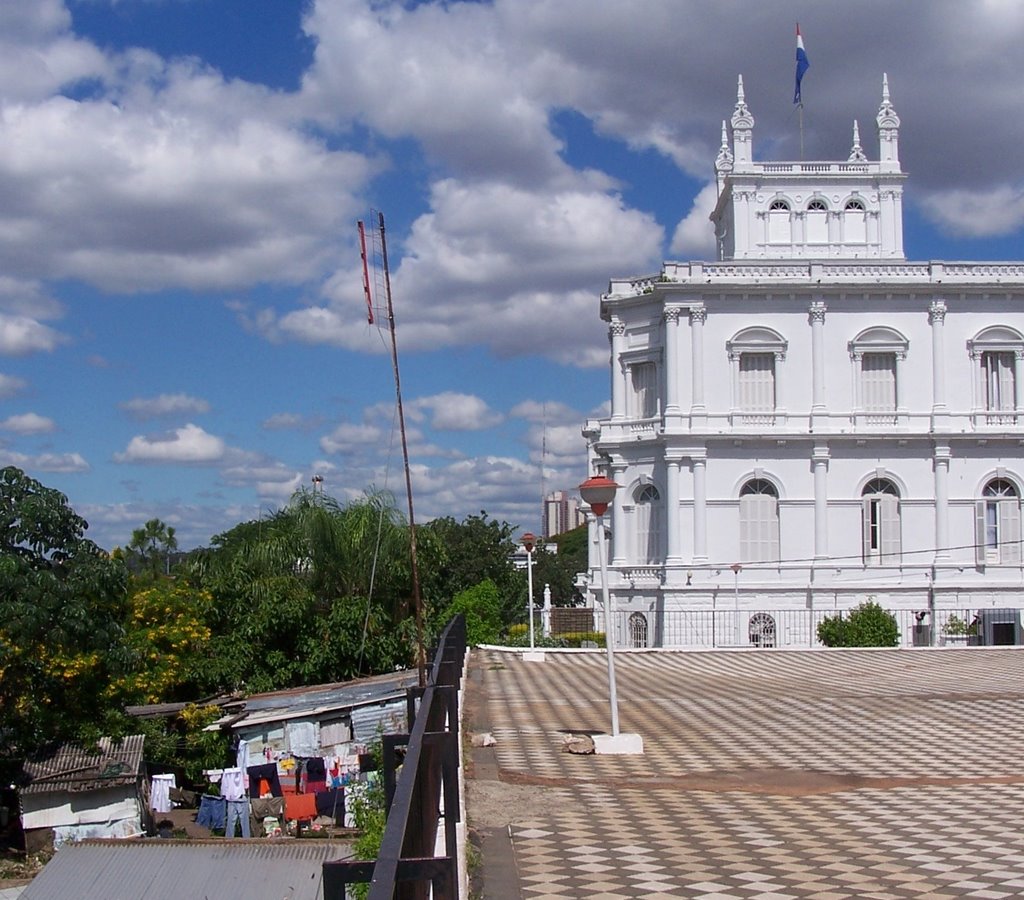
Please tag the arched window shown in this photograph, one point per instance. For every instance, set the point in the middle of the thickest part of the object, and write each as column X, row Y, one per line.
column 880, row 513
column 995, row 352
column 817, row 221
column 997, row 524
column 855, row 227
column 779, row 228
column 759, row 521
column 638, row 630
column 761, row 630
column 648, row 525
column 876, row 354
column 755, row 354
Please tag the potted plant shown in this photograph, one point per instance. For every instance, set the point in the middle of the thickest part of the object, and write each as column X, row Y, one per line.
column 957, row 631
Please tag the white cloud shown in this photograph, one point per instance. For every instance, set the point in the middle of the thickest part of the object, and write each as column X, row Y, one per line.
column 694, row 236
column 540, row 412
column 45, row 462
column 28, row 423
column 977, row 214
column 349, row 436
column 458, row 412
column 189, row 444
column 21, row 335
column 165, row 405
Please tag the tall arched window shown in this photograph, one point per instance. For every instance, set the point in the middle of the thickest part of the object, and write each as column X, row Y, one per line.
column 637, row 630
column 759, row 521
column 648, row 525
column 779, row 230
column 997, row 352
column 855, row 222
column 881, row 522
column 817, row 221
column 997, row 524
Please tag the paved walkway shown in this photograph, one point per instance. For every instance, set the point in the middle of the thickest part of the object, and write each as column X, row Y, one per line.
column 767, row 775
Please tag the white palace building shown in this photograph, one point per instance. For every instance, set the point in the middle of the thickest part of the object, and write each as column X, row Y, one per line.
column 811, row 421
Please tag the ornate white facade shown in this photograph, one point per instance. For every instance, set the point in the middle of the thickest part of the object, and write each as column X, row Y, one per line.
column 811, row 420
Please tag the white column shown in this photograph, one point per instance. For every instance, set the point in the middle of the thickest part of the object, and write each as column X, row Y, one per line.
column 700, row 506
column 620, row 540
column 901, row 390
column 941, row 463
column 816, row 313
column 698, row 315
column 618, row 336
column 937, row 319
column 1018, row 374
column 675, row 550
column 819, row 458
column 672, row 360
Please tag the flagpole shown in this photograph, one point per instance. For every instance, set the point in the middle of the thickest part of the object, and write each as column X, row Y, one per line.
column 800, row 113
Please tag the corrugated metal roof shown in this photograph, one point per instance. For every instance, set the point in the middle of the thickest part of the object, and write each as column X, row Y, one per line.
column 309, row 701
column 74, row 768
column 157, row 869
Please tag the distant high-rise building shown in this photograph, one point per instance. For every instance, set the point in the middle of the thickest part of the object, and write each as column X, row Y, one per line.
column 561, row 513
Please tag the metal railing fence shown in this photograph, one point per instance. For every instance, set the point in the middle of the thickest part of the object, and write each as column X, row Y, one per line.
column 421, row 791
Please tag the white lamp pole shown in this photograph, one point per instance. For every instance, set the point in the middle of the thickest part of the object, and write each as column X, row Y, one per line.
column 598, row 492
column 528, row 542
column 736, row 569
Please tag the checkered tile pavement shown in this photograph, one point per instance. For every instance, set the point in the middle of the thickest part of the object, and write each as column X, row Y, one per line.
column 771, row 775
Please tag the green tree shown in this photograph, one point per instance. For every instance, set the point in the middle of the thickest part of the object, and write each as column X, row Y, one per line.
column 559, row 570
column 460, row 555
column 866, row 625
column 318, row 591
column 62, row 604
column 481, row 605
column 151, row 547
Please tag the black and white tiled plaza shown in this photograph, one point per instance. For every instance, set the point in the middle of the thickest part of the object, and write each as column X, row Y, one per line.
column 767, row 775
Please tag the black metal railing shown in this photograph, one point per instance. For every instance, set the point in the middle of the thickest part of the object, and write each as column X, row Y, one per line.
column 421, row 790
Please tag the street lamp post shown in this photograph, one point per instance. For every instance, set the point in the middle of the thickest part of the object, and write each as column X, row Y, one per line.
column 599, row 492
column 529, row 540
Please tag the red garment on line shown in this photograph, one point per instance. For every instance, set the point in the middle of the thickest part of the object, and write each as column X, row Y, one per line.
column 300, row 806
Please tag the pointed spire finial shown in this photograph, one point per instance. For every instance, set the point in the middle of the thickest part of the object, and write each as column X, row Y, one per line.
column 741, row 117
column 724, row 160
column 857, row 152
column 887, row 117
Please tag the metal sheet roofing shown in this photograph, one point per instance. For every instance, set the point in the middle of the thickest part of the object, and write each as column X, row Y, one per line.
column 168, row 870
column 310, row 701
column 74, row 768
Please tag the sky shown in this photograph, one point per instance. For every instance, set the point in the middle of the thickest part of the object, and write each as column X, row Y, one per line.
column 183, row 330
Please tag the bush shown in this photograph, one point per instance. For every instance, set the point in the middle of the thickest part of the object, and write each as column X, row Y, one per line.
column 867, row 625
column 481, row 605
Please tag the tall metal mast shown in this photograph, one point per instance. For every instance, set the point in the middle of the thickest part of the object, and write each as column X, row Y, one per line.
column 421, row 658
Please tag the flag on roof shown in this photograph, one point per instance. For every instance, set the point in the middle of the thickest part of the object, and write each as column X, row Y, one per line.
column 802, row 64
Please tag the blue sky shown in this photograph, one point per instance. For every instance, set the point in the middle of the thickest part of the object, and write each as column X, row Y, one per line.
column 182, row 331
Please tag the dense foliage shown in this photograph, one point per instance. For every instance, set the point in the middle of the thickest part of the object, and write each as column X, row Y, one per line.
column 62, row 610
column 867, row 625
column 319, row 591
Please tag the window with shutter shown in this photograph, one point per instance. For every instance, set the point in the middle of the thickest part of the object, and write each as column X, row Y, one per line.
column 759, row 521
column 998, row 531
column 645, row 390
column 757, row 382
column 881, row 523
column 878, row 382
column 997, row 373
column 994, row 353
column 648, row 525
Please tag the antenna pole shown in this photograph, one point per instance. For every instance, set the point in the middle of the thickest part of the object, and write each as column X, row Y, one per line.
column 421, row 659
